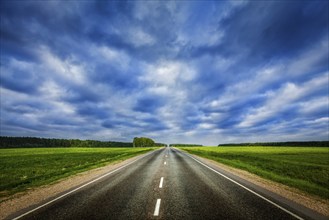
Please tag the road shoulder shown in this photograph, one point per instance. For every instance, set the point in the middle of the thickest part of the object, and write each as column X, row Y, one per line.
column 32, row 197
column 312, row 202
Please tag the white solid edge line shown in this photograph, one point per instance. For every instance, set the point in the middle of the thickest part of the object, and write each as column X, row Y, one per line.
column 255, row 193
column 161, row 182
column 80, row 187
column 157, row 207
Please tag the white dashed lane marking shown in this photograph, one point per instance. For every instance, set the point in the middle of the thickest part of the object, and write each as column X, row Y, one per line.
column 157, row 207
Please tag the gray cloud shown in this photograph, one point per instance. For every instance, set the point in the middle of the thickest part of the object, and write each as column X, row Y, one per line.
column 188, row 72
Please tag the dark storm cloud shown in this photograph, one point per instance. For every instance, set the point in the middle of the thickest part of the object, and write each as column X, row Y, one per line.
column 18, row 84
column 108, row 124
column 148, row 104
column 19, row 77
column 93, row 111
column 153, row 124
column 78, row 94
column 270, row 29
column 31, row 23
column 111, row 75
column 216, row 71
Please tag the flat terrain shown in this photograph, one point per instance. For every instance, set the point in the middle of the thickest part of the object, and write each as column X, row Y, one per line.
column 24, row 168
column 305, row 168
column 167, row 184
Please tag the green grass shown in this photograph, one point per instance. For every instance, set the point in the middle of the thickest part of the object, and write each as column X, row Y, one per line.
column 304, row 168
column 24, row 168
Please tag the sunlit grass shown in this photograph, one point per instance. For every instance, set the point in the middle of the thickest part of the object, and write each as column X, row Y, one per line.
column 24, row 168
column 305, row 168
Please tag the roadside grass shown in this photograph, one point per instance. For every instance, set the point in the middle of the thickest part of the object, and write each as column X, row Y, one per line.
column 304, row 168
column 24, row 168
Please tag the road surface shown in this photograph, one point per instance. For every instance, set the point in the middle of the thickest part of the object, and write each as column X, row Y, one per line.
column 166, row 184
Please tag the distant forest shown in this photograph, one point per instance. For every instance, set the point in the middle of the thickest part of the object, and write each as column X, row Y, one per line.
column 186, row 145
column 286, row 144
column 34, row 142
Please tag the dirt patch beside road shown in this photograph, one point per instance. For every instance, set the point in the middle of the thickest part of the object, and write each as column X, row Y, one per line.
column 312, row 202
column 33, row 197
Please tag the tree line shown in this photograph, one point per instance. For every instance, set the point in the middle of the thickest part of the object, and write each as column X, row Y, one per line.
column 185, row 145
column 278, row 144
column 143, row 142
column 35, row 142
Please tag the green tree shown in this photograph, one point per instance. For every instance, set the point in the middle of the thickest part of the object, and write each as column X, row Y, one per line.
column 143, row 142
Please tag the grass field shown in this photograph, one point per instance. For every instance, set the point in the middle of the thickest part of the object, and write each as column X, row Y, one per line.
column 305, row 168
column 24, row 168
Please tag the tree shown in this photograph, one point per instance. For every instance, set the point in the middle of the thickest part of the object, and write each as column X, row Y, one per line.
column 143, row 142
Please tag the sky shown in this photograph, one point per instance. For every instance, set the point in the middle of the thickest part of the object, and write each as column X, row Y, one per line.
column 199, row 72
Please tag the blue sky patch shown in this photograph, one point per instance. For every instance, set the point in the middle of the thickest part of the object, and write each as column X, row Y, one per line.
column 176, row 71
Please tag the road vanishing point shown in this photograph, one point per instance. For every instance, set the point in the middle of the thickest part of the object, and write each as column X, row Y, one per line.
column 168, row 184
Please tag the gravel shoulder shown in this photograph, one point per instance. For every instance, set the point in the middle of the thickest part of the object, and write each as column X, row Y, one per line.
column 32, row 197
column 312, row 202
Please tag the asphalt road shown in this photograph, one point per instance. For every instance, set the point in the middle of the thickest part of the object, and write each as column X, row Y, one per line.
column 167, row 184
